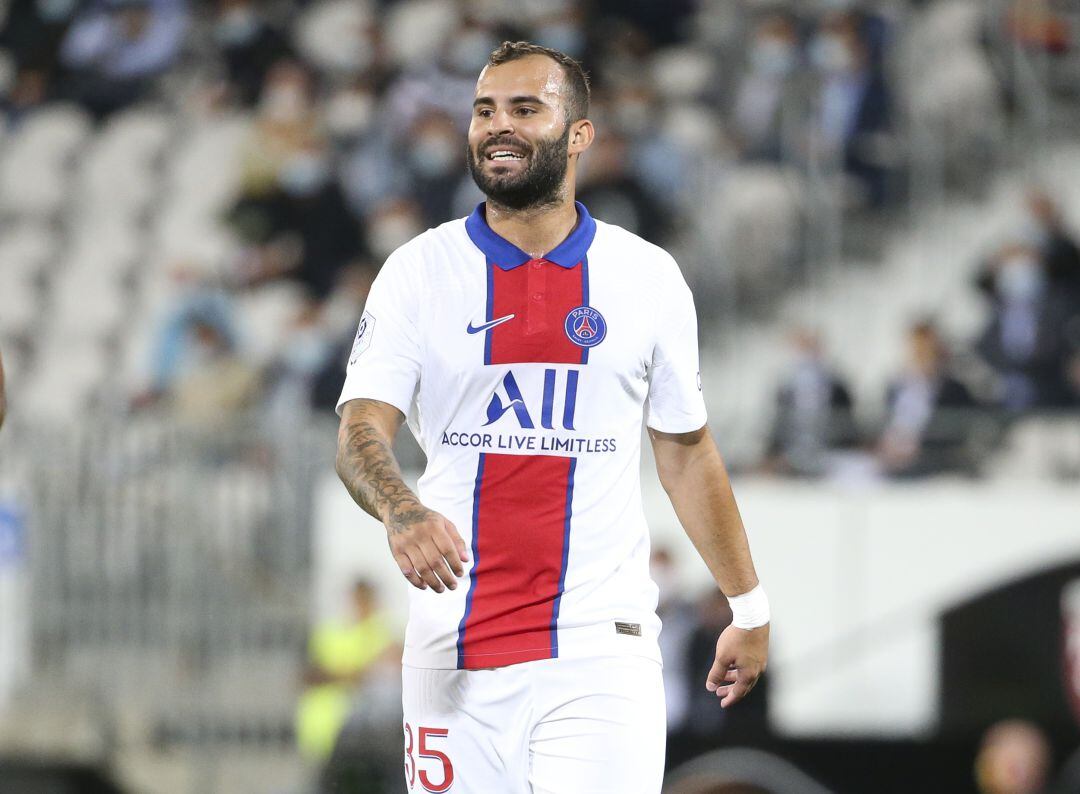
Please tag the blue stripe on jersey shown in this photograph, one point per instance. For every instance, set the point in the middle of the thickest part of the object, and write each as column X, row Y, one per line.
column 490, row 309
column 475, row 563
column 565, row 560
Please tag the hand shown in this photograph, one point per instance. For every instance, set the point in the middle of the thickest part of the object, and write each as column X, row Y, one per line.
column 741, row 656
column 426, row 546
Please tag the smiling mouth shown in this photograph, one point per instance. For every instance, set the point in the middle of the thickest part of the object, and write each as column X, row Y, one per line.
column 503, row 156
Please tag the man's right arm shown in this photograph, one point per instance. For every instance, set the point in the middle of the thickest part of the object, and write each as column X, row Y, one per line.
column 426, row 545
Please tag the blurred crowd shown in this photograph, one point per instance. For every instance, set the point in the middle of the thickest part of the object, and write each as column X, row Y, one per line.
column 356, row 115
column 1025, row 361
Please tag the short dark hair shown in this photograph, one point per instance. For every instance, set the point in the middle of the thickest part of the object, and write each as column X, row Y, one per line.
column 577, row 106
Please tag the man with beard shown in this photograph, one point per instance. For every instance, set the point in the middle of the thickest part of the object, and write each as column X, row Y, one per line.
column 523, row 343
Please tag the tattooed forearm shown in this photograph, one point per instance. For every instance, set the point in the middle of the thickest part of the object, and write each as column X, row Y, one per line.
column 369, row 470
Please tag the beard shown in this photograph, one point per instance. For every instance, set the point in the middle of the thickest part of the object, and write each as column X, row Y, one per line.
column 539, row 184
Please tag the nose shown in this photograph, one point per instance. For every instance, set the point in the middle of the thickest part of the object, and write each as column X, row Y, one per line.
column 500, row 123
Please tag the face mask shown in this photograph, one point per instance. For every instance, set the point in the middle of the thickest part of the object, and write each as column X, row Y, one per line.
column 772, row 58
column 284, row 103
column 633, row 116
column 563, row 36
column 55, row 10
column 433, row 156
column 303, row 175
column 349, row 114
column 1034, row 232
column 830, row 54
column 236, row 27
column 390, row 232
column 305, row 353
column 1020, row 279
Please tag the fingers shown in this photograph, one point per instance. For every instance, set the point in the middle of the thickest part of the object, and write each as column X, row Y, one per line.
column 737, row 691
column 409, row 571
column 717, row 673
column 430, row 553
column 450, row 552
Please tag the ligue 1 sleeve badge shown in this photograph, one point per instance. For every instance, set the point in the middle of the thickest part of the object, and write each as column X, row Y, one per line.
column 585, row 326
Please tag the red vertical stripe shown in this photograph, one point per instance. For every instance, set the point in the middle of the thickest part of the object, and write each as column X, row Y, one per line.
column 520, row 539
column 539, row 294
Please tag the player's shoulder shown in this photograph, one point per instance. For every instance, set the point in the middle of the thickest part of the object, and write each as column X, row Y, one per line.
column 428, row 249
column 628, row 248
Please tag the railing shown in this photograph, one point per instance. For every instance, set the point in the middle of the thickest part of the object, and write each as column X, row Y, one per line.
column 165, row 574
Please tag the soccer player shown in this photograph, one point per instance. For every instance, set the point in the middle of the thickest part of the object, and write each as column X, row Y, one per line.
column 522, row 344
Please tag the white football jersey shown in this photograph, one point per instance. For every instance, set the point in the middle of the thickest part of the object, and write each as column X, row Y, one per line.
column 524, row 381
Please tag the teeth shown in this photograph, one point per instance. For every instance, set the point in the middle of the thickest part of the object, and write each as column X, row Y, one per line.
column 504, row 155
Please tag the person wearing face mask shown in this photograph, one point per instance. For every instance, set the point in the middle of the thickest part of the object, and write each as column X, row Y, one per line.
column 813, row 413
column 764, row 101
column 853, row 116
column 1026, row 340
column 928, row 411
column 249, row 47
column 32, row 32
column 115, row 49
column 1045, row 229
column 434, row 158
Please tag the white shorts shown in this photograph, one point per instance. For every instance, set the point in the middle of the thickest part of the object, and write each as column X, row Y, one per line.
column 555, row 726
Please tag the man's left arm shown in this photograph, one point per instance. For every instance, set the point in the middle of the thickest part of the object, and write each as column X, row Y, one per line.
column 693, row 474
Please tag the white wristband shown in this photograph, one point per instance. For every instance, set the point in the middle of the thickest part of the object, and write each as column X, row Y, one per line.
column 750, row 610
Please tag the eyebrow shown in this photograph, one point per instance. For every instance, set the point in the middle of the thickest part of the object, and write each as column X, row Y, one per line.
column 514, row 100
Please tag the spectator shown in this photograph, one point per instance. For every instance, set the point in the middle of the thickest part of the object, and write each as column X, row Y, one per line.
column 1025, row 341
column 1014, row 758
column 677, row 615
column 1045, row 230
column 115, row 48
column 765, row 96
column 219, row 384
column 436, row 164
column 285, row 124
column 928, row 411
column 292, row 376
column 340, row 655
column 250, row 46
column 613, row 192
column 853, row 107
column 813, row 413
column 197, row 301
column 32, row 33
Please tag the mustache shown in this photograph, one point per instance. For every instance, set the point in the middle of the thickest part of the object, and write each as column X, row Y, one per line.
column 509, row 142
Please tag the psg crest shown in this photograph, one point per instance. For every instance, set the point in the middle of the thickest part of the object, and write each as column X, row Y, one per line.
column 585, row 326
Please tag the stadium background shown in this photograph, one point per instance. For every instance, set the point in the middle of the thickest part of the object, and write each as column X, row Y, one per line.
column 874, row 203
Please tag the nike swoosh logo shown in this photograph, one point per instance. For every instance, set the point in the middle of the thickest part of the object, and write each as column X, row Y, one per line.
column 475, row 329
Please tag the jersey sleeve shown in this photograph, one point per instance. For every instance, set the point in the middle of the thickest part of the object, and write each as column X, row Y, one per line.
column 675, row 403
column 384, row 363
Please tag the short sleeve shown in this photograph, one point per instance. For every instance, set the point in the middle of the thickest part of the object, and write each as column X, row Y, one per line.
column 675, row 403
column 384, row 363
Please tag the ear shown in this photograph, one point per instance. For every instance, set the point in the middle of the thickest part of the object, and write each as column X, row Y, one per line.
column 582, row 133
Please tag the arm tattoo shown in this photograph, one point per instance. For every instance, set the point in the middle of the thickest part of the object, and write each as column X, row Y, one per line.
column 369, row 470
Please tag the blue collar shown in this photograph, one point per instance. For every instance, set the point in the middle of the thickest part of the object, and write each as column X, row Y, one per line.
column 508, row 256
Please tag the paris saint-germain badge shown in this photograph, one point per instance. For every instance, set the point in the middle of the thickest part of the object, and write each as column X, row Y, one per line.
column 585, row 326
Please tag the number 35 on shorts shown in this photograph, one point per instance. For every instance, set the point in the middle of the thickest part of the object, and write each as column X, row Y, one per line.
column 423, row 765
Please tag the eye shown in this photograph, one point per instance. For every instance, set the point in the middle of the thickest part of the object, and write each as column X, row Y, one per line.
column 484, row 112
column 525, row 111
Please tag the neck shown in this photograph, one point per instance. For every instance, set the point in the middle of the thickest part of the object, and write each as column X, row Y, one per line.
column 536, row 230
